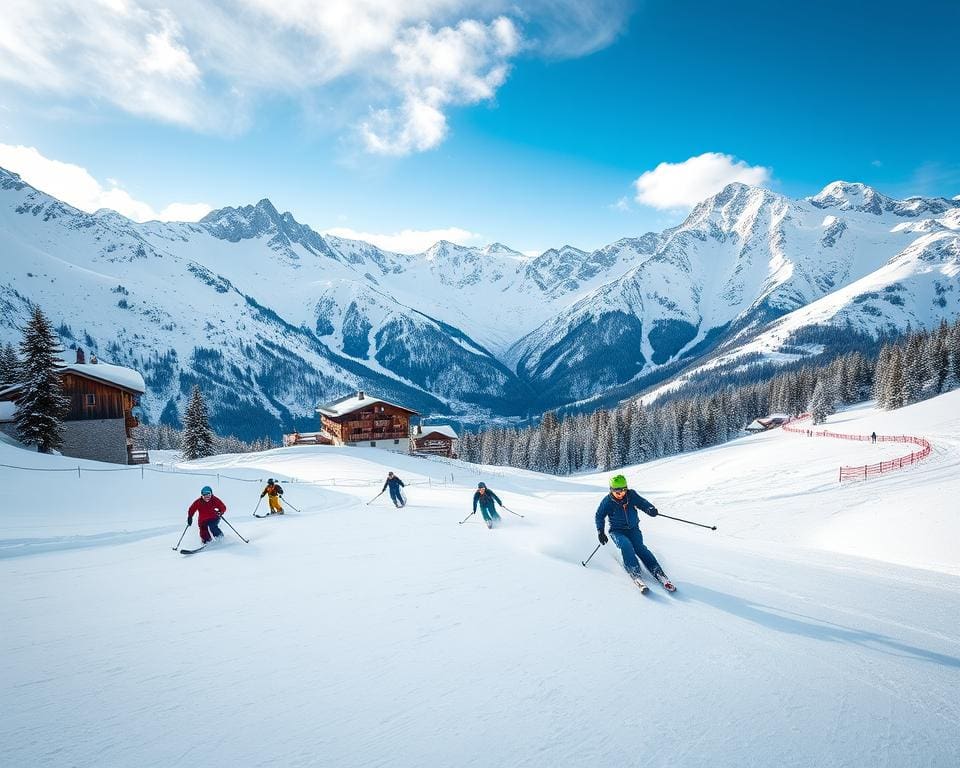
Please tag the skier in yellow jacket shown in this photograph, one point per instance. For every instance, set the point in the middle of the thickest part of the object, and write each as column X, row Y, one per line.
column 273, row 492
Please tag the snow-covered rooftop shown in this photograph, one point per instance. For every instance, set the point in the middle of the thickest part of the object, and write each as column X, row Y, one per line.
column 111, row 374
column 354, row 402
column 443, row 429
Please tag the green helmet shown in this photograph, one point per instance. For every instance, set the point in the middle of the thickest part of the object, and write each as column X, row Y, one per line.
column 618, row 482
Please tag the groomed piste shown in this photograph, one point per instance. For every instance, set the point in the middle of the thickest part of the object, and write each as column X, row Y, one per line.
column 817, row 626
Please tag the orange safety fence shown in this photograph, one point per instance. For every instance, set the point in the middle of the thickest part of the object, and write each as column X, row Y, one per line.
column 866, row 470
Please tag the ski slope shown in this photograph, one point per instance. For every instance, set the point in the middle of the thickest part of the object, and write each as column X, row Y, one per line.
column 817, row 627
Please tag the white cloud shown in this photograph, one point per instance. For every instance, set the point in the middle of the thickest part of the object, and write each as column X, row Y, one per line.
column 436, row 69
column 683, row 185
column 622, row 205
column 408, row 240
column 208, row 65
column 75, row 185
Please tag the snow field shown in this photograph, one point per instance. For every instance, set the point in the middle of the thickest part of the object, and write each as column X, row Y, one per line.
column 362, row 635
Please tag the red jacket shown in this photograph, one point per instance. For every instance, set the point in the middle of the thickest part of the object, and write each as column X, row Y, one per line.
column 207, row 510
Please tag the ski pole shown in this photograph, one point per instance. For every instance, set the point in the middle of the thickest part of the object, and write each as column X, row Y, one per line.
column 257, row 507
column 467, row 517
column 182, row 535
column 584, row 562
column 504, row 506
column 290, row 505
column 689, row 522
column 232, row 528
column 376, row 497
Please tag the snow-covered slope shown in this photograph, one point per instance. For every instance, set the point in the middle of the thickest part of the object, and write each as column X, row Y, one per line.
column 817, row 626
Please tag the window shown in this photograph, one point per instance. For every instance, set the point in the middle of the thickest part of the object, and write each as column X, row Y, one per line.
column 396, row 442
column 373, row 443
column 91, row 400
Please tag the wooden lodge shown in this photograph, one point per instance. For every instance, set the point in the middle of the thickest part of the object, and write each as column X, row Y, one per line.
column 440, row 440
column 99, row 423
column 361, row 420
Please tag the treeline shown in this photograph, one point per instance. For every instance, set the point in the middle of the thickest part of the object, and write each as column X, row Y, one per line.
column 196, row 440
column 916, row 366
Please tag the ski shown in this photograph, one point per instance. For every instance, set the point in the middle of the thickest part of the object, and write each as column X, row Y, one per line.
column 192, row 551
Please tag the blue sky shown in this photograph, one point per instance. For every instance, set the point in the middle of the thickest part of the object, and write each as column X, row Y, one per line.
column 476, row 120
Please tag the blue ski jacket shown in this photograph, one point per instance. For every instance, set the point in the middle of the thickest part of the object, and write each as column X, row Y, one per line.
column 395, row 484
column 623, row 514
column 486, row 500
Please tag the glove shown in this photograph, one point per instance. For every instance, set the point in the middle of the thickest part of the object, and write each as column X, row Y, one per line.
column 189, row 520
column 603, row 537
column 263, row 494
column 653, row 512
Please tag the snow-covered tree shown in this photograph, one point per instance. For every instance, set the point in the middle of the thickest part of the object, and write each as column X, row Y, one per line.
column 197, row 436
column 823, row 400
column 9, row 366
column 41, row 404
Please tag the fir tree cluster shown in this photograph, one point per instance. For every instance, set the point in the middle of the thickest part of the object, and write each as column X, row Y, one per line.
column 160, row 437
column 918, row 365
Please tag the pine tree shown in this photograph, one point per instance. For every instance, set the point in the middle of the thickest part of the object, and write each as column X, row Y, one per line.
column 823, row 400
column 197, row 436
column 894, row 390
column 913, row 369
column 41, row 404
column 9, row 366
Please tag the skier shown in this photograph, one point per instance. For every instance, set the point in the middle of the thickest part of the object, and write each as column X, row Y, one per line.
column 395, row 484
column 209, row 509
column 621, row 506
column 273, row 492
column 873, row 437
column 486, row 498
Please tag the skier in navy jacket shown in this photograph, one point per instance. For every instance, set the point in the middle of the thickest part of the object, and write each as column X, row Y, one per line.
column 394, row 483
column 620, row 506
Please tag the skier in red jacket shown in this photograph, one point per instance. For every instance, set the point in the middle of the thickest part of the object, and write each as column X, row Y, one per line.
column 209, row 509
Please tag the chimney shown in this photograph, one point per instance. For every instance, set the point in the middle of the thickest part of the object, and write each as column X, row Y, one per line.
column 419, row 429
column 93, row 359
column 360, row 395
column 81, row 358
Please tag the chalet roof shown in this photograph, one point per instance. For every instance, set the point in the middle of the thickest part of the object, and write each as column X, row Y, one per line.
column 443, row 429
column 117, row 375
column 756, row 426
column 354, row 402
column 114, row 375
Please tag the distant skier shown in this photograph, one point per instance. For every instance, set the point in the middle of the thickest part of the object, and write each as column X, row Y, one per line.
column 209, row 509
column 394, row 483
column 486, row 498
column 273, row 492
column 873, row 437
column 621, row 506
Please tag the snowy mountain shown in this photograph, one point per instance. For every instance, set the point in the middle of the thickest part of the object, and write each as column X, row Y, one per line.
column 272, row 317
column 742, row 259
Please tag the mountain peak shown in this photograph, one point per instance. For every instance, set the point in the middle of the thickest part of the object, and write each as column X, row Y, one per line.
column 851, row 196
